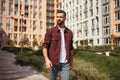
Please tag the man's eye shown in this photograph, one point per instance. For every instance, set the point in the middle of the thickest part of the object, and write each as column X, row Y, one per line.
column 59, row 17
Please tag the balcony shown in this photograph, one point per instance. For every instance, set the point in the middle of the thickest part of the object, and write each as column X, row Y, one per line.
column 104, row 2
column 93, row 26
column 52, row 10
column 27, row 3
column 105, row 13
column 50, row 3
column 117, row 8
column 16, row 1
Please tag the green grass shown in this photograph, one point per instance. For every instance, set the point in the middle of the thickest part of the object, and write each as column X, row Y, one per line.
column 87, row 65
column 105, row 64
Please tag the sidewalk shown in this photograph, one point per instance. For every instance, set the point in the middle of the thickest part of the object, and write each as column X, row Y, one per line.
column 34, row 77
column 11, row 71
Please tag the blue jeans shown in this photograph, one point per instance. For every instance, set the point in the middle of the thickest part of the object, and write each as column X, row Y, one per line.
column 64, row 69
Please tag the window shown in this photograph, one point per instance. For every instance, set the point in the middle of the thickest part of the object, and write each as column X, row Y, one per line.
column 0, row 27
column 7, row 27
column 8, row 20
column 26, row 1
column 91, row 12
column 10, row 35
column 25, row 36
column 117, row 27
column 3, row 4
column 16, row 0
column 10, row 13
column 106, row 9
column 0, row 23
column 8, row 43
column 97, row 41
column 3, row 11
column 10, row 6
column 15, row 35
column 1, row 35
column 35, row 2
column 106, row 20
column 0, row 19
column 117, row 15
column 93, row 32
column 97, row 31
column 117, row 3
column 16, row 13
column 106, row 40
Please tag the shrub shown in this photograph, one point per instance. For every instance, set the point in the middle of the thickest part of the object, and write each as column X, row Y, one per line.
column 86, row 71
column 103, row 63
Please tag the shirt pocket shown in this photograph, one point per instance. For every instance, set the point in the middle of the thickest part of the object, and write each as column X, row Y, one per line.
column 55, row 40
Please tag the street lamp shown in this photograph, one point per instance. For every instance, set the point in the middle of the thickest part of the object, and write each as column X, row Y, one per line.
column 21, row 31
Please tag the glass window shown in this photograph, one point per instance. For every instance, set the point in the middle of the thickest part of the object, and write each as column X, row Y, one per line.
column 117, row 27
column 3, row 4
column 0, row 19
column 8, row 20
column 3, row 11
column 9, row 35
column 8, row 43
column 15, row 35
column 8, row 27
column 10, row 13
column 10, row 5
column 0, row 27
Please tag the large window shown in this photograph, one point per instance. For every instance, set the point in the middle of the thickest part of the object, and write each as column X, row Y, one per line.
column 117, row 3
column 2, row 35
column 106, row 31
column 106, row 20
column 0, row 19
column 117, row 15
column 3, row 4
column 7, row 27
column 3, row 11
column 117, row 27
column 106, row 9
column 8, row 20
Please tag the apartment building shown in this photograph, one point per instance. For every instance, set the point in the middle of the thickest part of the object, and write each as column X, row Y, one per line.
column 59, row 4
column 106, row 21
column 22, row 20
column 115, row 22
column 84, row 18
column 51, row 13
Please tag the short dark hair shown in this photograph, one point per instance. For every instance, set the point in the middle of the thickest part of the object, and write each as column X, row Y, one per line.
column 61, row 11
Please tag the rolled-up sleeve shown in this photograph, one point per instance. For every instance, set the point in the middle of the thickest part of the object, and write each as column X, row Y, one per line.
column 47, row 39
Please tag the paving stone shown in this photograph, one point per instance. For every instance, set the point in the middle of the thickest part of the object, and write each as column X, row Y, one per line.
column 11, row 71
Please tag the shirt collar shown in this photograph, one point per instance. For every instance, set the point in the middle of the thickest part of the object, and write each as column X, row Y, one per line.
column 57, row 28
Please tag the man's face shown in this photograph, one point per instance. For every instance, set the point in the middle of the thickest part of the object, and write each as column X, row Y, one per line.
column 60, row 18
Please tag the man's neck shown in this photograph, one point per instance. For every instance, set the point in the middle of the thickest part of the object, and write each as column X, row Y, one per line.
column 61, row 26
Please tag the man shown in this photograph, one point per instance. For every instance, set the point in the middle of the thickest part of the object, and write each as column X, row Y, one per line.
column 58, row 48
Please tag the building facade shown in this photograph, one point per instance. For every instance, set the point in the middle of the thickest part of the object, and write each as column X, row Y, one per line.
column 84, row 18
column 22, row 20
column 51, row 11
column 115, row 23
column 106, row 21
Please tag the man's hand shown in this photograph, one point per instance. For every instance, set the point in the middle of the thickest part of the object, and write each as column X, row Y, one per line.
column 48, row 64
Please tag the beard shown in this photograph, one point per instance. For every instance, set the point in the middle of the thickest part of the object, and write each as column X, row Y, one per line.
column 59, row 22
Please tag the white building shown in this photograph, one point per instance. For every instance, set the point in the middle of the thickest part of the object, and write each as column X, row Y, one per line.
column 84, row 18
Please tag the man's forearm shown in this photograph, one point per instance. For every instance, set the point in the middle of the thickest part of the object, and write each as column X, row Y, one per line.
column 45, row 54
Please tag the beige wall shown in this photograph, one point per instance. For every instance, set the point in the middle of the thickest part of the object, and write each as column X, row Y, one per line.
column 29, row 20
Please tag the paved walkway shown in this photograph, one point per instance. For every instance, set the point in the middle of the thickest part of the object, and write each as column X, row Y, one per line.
column 11, row 71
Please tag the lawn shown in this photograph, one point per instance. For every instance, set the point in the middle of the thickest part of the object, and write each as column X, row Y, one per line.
column 87, row 65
